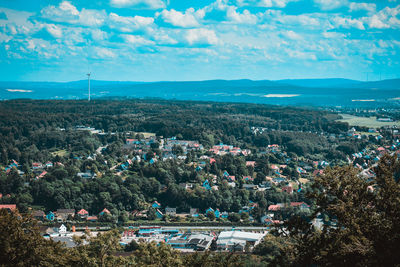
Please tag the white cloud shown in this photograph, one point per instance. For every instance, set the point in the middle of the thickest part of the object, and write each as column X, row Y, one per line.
column 98, row 35
column 186, row 20
column 334, row 35
column 103, row 53
column 376, row 22
column 330, row 4
column 129, row 24
column 201, row 36
column 264, row 3
column 242, row 18
column 66, row 12
column 137, row 40
column 54, row 30
column 292, row 35
column 274, row 3
column 91, row 17
column 348, row 23
column 301, row 55
column 18, row 22
column 162, row 37
column 370, row 7
column 384, row 19
column 4, row 37
column 313, row 20
column 152, row 4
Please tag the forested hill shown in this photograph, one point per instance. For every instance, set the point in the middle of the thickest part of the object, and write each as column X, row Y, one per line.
column 310, row 92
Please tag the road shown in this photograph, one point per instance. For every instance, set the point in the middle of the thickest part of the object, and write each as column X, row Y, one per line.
column 198, row 228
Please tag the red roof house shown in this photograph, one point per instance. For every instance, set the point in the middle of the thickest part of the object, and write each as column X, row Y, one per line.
column 11, row 207
column 83, row 213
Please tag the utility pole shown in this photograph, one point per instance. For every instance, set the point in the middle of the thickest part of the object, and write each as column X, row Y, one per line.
column 88, row 87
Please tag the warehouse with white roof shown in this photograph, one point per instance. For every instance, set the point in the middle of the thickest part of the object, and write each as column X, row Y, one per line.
column 237, row 240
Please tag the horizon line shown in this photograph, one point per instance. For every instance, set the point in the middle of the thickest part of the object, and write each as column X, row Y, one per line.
column 241, row 79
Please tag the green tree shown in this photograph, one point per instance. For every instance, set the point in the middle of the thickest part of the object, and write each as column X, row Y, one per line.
column 22, row 245
column 364, row 229
column 98, row 250
column 211, row 215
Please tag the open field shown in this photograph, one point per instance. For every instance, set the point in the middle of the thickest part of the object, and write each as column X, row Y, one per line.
column 60, row 153
column 146, row 134
column 370, row 122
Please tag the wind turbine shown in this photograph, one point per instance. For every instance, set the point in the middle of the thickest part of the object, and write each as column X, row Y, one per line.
column 88, row 86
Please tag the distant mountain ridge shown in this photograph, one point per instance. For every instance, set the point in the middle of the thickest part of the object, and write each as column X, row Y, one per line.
column 310, row 83
column 315, row 92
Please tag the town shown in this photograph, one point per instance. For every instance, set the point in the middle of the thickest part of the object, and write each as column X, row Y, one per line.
column 270, row 180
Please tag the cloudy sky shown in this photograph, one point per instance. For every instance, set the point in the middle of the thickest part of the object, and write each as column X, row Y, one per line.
column 154, row 40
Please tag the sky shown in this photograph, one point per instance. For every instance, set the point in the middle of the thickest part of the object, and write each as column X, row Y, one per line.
column 171, row 40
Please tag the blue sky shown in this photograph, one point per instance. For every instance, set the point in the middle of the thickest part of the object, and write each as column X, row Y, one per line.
column 154, row 40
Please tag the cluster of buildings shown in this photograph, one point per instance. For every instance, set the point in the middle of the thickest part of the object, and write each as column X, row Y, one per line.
column 222, row 149
column 166, row 145
column 234, row 241
column 64, row 215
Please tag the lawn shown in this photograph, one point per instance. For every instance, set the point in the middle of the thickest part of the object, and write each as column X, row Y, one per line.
column 370, row 122
column 146, row 134
column 60, row 153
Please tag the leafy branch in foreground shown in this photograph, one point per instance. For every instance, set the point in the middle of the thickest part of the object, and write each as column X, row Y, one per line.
column 364, row 219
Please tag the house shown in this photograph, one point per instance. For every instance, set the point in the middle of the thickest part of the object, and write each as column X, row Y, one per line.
column 9, row 207
column 149, row 230
column 231, row 178
column 170, row 211
column 197, row 242
column 104, row 211
column 278, row 180
column 194, row 212
column 41, row 175
column 37, row 165
column 140, row 214
column 50, row 216
column 269, row 219
column 49, row 164
column 224, row 214
column 63, row 214
column 250, row 186
column 276, row 207
column 206, row 185
column 86, row 175
column 92, row 219
column 156, row 205
column 38, row 215
column 199, row 168
column 301, row 205
column 62, row 230
column 237, row 240
column 300, row 170
column 217, row 213
column 186, row 186
column 288, row 189
column 159, row 214
column 210, row 210
column 250, row 163
column 83, row 213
